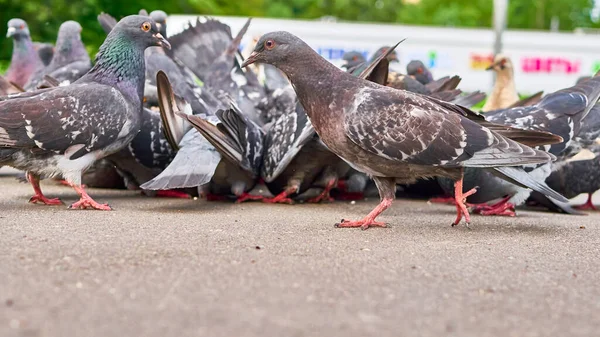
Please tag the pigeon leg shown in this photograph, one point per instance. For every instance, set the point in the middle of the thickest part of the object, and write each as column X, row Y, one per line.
column 172, row 194
column 282, row 198
column 39, row 196
column 589, row 205
column 247, row 196
column 324, row 196
column 461, row 198
column 503, row 208
column 66, row 183
column 86, row 201
column 387, row 189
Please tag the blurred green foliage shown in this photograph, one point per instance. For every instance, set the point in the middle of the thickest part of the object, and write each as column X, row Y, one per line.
column 45, row 16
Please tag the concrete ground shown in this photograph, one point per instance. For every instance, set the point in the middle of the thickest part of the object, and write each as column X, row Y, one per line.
column 157, row 267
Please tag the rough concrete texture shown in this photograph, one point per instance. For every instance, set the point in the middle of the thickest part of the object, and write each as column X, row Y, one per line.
column 158, row 267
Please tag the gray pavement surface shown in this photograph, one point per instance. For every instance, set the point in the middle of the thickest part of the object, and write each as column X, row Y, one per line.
column 165, row 267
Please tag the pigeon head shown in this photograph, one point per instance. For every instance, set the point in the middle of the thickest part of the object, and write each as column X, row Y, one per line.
column 139, row 30
column 501, row 63
column 120, row 60
column 160, row 17
column 276, row 48
column 17, row 29
column 69, row 47
column 415, row 67
column 352, row 59
column 69, row 30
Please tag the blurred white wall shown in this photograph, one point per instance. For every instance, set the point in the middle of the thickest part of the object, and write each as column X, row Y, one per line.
column 543, row 61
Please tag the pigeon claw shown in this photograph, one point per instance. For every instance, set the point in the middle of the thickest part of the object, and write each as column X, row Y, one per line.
column 248, row 196
column 502, row 208
column 588, row 206
column 363, row 224
column 85, row 203
column 39, row 198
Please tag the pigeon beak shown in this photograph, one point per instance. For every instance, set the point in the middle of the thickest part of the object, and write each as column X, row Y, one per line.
column 11, row 31
column 251, row 59
column 162, row 41
column 491, row 67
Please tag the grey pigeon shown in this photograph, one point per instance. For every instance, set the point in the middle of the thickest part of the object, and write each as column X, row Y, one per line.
column 561, row 113
column 419, row 71
column 62, row 131
column 25, row 60
column 70, row 61
column 240, row 143
column 197, row 161
column 394, row 135
column 200, row 45
column 352, row 59
column 577, row 177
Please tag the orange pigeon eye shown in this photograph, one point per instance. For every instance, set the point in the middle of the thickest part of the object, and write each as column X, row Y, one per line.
column 146, row 26
column 22, row 26
column 269, row 44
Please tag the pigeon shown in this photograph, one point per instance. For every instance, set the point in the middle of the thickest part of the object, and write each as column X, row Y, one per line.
column 576, row 177
column 296, row 159
column 70, row 61
column 45, row 52
column 419, row 71
column 562, row 113
column 394, row 135
column 239, row 141
column 199, row 46
column 197, row 161
column 352, row 59
column 25, row 60
column 7, row 88
column 184, row 84
column 62, row 131
column 504, row 93
column 160, row 17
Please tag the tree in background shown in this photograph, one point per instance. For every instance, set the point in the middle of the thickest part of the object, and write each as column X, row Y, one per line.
column 44, row 16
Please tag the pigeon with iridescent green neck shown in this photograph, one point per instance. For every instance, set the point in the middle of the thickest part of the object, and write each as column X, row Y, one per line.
column 25, row 60
column 62, row 131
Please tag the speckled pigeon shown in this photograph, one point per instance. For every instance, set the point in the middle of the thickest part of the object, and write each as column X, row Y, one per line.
column 70, row 61
column 197, row 161
column 62, row 131
column 25, row 60
column 394, row 135
column 562, row 113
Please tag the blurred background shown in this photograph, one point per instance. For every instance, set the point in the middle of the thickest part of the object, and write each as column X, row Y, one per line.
column 550, row 41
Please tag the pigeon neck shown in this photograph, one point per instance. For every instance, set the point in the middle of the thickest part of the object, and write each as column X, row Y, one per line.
column 69, row 51
column 312, row 78
column 120, row 63
column 24, row 53
column 504, row 92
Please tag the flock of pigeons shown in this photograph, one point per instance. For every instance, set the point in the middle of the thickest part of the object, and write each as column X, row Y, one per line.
column 193, row 117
